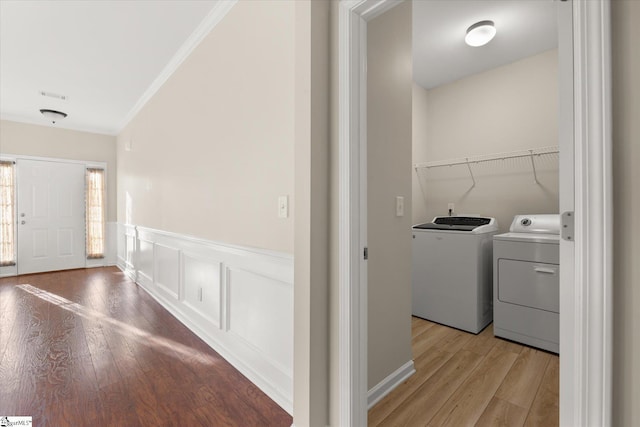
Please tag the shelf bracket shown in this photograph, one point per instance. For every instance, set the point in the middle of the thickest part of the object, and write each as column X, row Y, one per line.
column 471, row 174
column 533, row 167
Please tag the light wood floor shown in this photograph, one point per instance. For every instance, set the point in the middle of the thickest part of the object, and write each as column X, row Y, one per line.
column 463, row 379
column 91, row 348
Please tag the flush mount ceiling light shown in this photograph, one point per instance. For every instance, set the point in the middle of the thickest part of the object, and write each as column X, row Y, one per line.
column 480, row 33
column 53, row 115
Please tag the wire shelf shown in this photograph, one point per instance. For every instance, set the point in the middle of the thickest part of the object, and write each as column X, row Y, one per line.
column 468, row 161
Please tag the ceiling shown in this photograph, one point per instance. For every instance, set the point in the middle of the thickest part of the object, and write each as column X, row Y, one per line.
column 107, row 57
column 103, row 56
column 524, row 28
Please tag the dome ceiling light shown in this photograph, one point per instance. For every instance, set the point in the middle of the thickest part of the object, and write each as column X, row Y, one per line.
column 53, row 115
column 480, row 33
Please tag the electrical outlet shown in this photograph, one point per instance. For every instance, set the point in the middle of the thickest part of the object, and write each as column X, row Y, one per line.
column 399, row 206
column 283, row 207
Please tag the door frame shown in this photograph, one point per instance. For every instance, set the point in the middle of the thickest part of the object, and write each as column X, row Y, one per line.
column 586, row 331
column 13, row 270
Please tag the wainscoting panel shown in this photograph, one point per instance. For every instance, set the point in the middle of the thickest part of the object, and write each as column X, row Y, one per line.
column 166, row 270
column 238, row 300
column 202, row 287
column 126, row 249
column 145, row 263
column 256, row 314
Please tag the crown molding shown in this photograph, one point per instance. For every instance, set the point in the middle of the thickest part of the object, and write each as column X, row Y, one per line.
column 214, row 17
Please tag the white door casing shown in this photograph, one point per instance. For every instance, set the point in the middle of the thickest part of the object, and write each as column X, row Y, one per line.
column 585, row 300
column 50, row 209
column 586, row 318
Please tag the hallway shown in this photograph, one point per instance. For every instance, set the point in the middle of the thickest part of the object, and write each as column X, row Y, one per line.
column 89, row 347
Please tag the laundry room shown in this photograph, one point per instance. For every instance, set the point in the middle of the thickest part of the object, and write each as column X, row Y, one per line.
column 484, row 133
column 477, row 108
column 485, row 152
column 485, row 163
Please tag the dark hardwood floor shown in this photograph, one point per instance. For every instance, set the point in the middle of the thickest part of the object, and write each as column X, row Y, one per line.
column 90, row 348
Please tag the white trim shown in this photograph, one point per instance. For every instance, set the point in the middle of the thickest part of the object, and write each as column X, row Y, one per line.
column 353, row 382
column 226, row 247
column 234, row 353
column 585, row 381
column 393, row 380
column 217, row 13
column 127, row 266
column 352, row 348
column 373, row 8
column 585, row 378
column 262, row 352
column 171, row 259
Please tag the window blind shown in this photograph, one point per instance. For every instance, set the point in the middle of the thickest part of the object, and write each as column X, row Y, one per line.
column 95, row 213
column 7, row 214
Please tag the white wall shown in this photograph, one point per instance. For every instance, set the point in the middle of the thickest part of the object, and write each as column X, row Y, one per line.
column 389, row 80
column 510, row 108
column 46, row 141
column 626, row 204
column 213, row 149
column 200, row 169
column 311, row 314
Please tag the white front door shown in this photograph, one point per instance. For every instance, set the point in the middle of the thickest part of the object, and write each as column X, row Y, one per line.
column 51, row 229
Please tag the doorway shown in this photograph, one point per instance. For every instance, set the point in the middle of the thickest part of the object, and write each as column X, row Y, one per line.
column 577, row 338
column 473, row 108
column 51, row 218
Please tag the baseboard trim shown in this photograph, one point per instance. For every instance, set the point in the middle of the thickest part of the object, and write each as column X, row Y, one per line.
column 229, row 355
column 387, row 385
column 209, row 287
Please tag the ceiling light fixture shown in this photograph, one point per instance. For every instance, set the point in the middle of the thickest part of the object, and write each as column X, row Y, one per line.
column 480, row 33
column 53, row 115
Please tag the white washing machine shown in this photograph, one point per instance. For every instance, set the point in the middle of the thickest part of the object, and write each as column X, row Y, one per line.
column 452, row 271
column 526, row 282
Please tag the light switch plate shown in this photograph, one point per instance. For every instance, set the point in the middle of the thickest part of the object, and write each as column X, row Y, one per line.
column 399, row 206
column 283, row 207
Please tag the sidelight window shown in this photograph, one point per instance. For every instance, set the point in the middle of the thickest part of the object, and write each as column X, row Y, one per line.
column 7, row 214
column 95, row 213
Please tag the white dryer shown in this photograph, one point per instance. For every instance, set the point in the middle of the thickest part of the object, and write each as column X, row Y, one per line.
column 452, row 271
column 526, row 284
